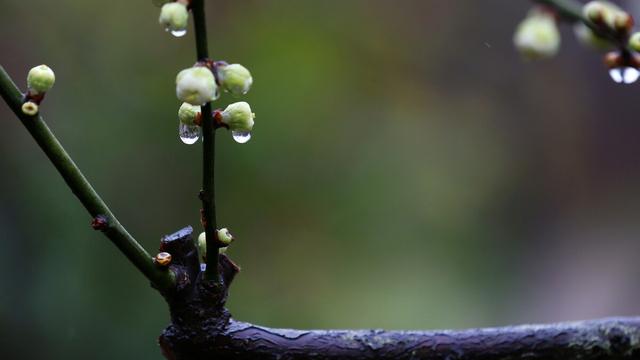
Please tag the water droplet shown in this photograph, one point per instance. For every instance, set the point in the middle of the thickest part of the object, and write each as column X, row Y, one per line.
column 178, row 33
column 203, row 267
column 241, row 137
column 624, row 75
column 189, row 134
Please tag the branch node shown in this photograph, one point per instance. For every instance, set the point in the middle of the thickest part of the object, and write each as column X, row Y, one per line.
column 100, row 222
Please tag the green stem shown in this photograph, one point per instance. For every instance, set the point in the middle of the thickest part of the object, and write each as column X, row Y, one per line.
column 208, row 151
column 81, row 188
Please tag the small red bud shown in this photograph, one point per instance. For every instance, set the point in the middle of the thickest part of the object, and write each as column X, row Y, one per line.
column 100, row 222
column 613, row 59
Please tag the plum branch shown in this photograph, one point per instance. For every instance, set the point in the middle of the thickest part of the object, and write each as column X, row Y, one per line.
column 104, row 219
column 194, row 276
column 208, row 149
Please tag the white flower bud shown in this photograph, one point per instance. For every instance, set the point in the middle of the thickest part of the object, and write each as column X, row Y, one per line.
column 235, row 79
column 602, row 12
column 225, row 236
column 202, row 247
column 238, row 117
column 537, row 36
column 634, row 41
column 174, row 16
column 187, row 114
column 41, row 79
column 196, row 85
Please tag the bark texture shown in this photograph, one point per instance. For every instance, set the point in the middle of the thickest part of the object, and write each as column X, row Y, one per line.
column 202, row 328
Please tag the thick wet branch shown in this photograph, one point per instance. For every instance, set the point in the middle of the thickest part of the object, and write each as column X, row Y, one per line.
column 613, row 338
column 104, row 219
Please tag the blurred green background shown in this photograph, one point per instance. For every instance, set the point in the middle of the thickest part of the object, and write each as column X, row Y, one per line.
column 407, row 170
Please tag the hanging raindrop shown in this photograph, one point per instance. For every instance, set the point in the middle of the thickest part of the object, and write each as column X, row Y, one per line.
column 241, row 137
column 189, row 134
column 178, row 33
column 624, row 75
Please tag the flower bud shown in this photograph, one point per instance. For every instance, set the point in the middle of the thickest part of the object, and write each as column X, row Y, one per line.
column 202, row 247
column 224, row 236
column 30, row 108
column 594, row 11
column 603, row 12
column 537, row 36
column 174, row 16
column 634, row 41
column 196, row 85
column 235, row 79
column 623, row 22
column 238, row 117
column 40, row 79
column 188, row 114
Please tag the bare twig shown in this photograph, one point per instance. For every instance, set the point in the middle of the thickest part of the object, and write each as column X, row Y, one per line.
column 104, row 219
column 571, row 10
column 208, row 150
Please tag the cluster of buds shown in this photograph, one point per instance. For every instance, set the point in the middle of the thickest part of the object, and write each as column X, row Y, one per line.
column 604, row 25
column 610, row 19
column 201, row 84
column 39, row 80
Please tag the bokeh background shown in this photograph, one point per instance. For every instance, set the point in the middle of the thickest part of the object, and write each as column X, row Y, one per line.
column 408, row 170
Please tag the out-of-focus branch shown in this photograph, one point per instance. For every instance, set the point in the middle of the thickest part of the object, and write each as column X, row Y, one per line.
column 104, row 219
column 571, row 10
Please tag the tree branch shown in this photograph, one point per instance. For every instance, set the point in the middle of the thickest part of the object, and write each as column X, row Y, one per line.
column 613, row 338
column 104, row 219
column 208, row 150
column 571, row 10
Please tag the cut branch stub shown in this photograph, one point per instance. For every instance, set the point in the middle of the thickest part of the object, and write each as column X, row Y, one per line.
column 184, row 257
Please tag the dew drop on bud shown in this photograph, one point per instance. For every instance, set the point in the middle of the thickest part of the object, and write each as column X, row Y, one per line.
column 624, row 75
column 189, row 134
column 241, row 137
column 178, row 33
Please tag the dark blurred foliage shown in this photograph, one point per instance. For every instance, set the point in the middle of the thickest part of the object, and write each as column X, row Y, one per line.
column 407, row 170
